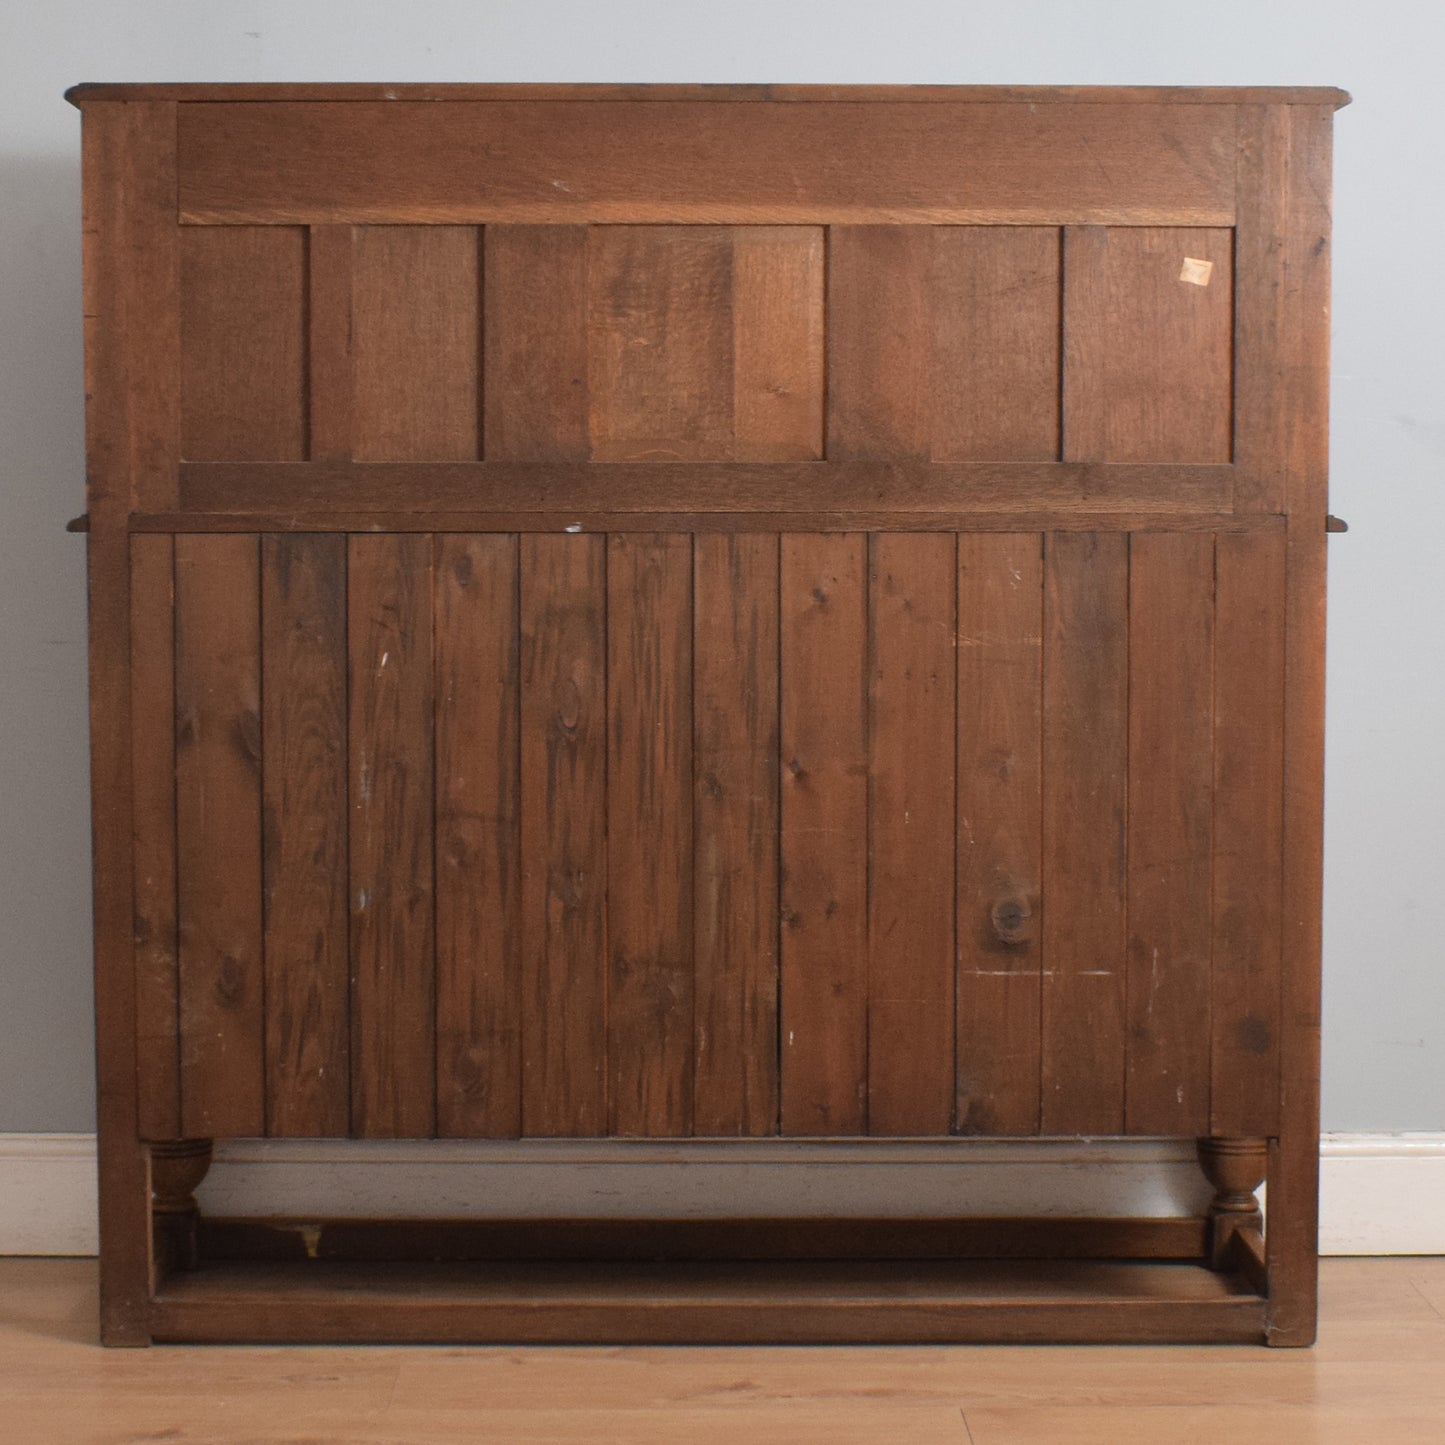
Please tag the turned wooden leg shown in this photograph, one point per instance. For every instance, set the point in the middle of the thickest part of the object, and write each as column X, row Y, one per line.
column 1236, row 1168
column 177, row 1168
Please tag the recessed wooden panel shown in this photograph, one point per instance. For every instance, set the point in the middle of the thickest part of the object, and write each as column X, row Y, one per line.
column 303, row 740
column 153, row 730
column 911, row 744
column 416, row 339
column 535, row 160
column 243, row 343
column 1171, row 737
column 999, row 832
column 823, row 952
column 1085, row 747
column 393, row 964
column 649, row 835
column 478, row 878
column 1249, row 735
column 735, row 835
column 563, row 592
column 1148, row 362
column 706, row 343
column 218, row 835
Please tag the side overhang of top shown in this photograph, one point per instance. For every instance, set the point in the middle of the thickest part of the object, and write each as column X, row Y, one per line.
column 80, row 95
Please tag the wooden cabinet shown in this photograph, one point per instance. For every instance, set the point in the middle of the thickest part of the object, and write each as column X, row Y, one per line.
column 695, row 612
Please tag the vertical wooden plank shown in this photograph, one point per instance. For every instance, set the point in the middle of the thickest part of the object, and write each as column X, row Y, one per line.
column 649, row 834
column 243, row 343
column 479, row 1024
column 153, row 771
column 304, row 855
column 1294, row 1162
column 661, row 326
column 1000, row 943
column 218, row 834
column 1086, row 595
column 1147, row 350
column 393, row 965
column 1248, row 823
column 735, row 834
column 535, row 316
column 911, row 743
column 995, row 339
column 328, row 320
column 880, row 388
column 777, row 310
column 564, row 840
column 416, row 337
column 1171, row 737
column 1259, row 289
column 823, row 731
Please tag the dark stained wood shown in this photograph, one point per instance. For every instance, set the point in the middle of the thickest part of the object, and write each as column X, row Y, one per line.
column 153, row 771
column 393, row 964
column 879, row 375
column 1171, row 775
column 824, row 842
column 478, row 866
column 534, row 380
column 563, row 830
column 243, row 344
column 735, row 835
column 1147, row 353
column 645, row 488
column 911, row 742
column 303, row 758
column 218, row 835
column 774, row 163
column 416, row 343
column 649, row 835
column 808, row 1301
column 1248, row 803
column 999, row 833
column 995, row 341
column 1294, row 1161
column 330, row 377
column 1085, row 744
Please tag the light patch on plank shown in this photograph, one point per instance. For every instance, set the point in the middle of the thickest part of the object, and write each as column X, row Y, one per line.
column 1195, row 271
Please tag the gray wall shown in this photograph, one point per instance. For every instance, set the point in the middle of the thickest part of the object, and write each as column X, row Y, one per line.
column 1385, row 908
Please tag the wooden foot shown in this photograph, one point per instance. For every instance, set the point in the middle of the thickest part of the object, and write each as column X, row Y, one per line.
column 1236, row 1168
column 177, row 1168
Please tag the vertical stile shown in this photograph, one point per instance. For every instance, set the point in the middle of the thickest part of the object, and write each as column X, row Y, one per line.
column 330, row 378
column 999, row 832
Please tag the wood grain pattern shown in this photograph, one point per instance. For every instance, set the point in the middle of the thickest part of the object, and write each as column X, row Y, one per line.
column 735, row 834
column 478, row 878
column 218, row 835
column 1148, row 362
column 1248, row 803
column 416, row 343
column 153, row 772
column 564, row 841
column 393, row 964
column 1171, row 743
column 303, row 758
column 1086, row 676
column 560, row 161
column 535, row 317
column 999, row 833
column 911, row 743
column 330, row 377
column 995, row 342
column 649, row 835
column 243, row 343
column 824, row 847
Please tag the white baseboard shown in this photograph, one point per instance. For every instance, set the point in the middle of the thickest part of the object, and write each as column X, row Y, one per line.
column 1379, row 1193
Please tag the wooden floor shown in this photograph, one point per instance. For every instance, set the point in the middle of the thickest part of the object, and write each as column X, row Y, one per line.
column 1378, row 1375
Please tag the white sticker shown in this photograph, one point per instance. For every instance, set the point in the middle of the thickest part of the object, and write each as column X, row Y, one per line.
column 1195, row 271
